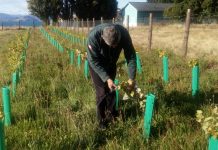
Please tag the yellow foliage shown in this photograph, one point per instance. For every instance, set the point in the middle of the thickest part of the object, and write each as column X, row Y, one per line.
column 162, row 53
column 209, row 124
column 16, row 48
column 133, row 92
column 1, row 115
column 193, row 63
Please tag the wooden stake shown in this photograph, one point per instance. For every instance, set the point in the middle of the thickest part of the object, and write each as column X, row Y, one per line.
column 186, row 35
column 150, row 31
column 93, row 22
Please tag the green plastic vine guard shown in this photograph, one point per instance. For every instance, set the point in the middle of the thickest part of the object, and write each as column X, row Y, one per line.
column 86, row 69
column 71, row 57
column 213, row 143
column 165, row 69
column 6, row 105
column 117, row 95
column 14, row 83
column 195, row 80
column 150, row 98
column 138, row 63
column 18, row 74
column 2, row 134
column 79, row 60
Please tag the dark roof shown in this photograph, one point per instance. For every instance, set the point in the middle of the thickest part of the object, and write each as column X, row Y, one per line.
column 144, row 6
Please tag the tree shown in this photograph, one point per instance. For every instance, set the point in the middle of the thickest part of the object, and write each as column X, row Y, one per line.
column 96, row 9
column 210, row 7
column 67, row 9
column 160, row 1
column 45, row 9
column 199, row 8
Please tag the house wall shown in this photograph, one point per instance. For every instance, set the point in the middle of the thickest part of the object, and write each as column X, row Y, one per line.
column 143, row 16
column 132, row 12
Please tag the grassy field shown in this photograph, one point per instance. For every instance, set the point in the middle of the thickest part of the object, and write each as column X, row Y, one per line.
column 202, row 39
column 55, row 105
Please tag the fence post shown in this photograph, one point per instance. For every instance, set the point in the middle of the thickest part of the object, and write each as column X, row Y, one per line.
column 19, row 24
column 88, row 24
column 2, row 25
column 74, row 23
column 82, row 25
column 187, row 27
column 102, row 21
column 113, row 20
column 93, row 22
column 33, row 24
column 65, row 24
column 68, row 23
column 127, row 23
column 77, row 20
column 150, row 31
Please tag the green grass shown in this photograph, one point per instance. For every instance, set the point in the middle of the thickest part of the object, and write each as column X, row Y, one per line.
column 55, row 105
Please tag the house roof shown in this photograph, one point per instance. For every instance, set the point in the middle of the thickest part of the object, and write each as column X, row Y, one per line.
column 144, row 6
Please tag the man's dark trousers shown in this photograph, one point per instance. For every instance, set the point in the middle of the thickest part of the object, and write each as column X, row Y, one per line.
column 105, row 99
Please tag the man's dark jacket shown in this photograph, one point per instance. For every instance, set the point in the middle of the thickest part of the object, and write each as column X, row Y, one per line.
column 102, row 58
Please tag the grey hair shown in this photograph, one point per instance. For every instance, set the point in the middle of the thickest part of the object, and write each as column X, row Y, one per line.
column 111, row 35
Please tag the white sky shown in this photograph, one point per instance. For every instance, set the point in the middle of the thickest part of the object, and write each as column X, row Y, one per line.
column 14, row 7
column 20, row 6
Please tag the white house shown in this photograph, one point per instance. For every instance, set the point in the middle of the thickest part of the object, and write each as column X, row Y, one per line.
column 139, row 11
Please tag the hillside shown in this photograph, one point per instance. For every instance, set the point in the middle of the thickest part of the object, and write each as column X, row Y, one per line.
column 26, row 20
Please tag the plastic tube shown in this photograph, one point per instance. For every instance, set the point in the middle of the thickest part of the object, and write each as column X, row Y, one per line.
column 6, row 105
column 86, row 69
column 148, row 114
column 2, row 134
column 138, row 63
column 165, row 69
column 117, row 95
column 195, row 80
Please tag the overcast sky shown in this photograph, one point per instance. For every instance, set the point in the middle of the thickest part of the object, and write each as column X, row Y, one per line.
column 14, row 7
column 20, row 6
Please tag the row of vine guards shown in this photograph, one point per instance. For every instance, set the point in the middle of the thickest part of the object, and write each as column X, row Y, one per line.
column 150, row 98
column 5, row 118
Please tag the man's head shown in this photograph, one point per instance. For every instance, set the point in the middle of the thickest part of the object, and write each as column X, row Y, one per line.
column 111, row 35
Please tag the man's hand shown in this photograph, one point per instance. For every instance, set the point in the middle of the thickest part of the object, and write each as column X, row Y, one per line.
column 111, row 85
